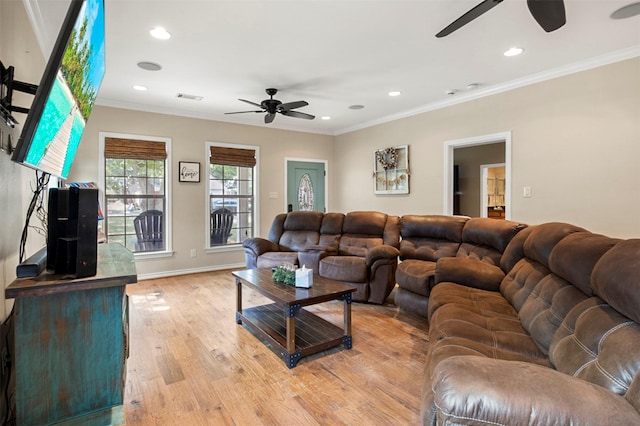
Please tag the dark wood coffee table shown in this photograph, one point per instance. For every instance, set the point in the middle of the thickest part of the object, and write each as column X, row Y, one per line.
column 290, row 329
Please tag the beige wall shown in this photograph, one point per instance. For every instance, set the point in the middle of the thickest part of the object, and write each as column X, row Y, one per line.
column 575, row 142
column 188, row 139
column 18, row 47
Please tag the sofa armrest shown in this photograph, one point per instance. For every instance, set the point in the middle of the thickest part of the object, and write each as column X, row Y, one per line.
column 384, row 252
column 478, row 390
column 258, row 246
column 469, row 271
column 313, row 254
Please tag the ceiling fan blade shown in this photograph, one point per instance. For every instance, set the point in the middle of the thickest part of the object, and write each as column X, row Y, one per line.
column 480, row 9
column 298, row 114
column 242, row 112
column 292, row 105
column 550, row 14
column 268, row 118
column 251, row 103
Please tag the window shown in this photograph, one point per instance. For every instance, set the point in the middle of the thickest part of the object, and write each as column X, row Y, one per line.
column 136, row 186
column 231, row 194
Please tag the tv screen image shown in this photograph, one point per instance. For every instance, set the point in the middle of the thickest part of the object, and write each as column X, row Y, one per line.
column 67, row 92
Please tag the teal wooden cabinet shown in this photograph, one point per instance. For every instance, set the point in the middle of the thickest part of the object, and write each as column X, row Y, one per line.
column 71, row 343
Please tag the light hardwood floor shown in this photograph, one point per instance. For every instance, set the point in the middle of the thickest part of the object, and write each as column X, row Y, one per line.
column 191, row 364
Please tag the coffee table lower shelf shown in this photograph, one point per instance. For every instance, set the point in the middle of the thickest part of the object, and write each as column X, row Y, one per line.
column 312, row 333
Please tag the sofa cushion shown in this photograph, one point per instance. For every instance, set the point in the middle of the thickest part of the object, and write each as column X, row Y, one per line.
column 276, row 258
column 416, row 276
column 364, row 223
column 616, row 278
column 483, row 302
column 544, row 238
column 469, row 271
column 596, row 343
column 430, row 237
column 344, row 268
column 486, row 239
column 575, row 256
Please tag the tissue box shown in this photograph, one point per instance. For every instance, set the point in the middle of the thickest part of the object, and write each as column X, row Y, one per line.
column 304, row 277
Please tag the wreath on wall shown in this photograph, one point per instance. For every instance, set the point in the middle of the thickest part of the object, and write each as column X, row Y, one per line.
column 388, row 158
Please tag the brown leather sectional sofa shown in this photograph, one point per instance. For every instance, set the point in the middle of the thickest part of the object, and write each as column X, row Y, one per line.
column 528, row 324
column 558, row 342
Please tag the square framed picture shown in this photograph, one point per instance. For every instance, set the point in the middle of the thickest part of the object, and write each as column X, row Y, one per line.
column 188, row 171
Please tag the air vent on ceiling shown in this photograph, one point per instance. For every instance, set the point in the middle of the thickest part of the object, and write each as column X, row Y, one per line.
column 189, row 97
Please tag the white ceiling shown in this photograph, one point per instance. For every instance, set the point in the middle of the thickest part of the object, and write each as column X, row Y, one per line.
column 334, row 54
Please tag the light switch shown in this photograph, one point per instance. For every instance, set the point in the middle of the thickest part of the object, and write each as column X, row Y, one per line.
column 526, row 192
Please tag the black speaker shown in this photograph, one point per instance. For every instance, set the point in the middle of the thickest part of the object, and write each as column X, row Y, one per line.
column 72, row 235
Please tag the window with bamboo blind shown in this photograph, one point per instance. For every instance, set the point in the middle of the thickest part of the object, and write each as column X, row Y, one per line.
column 230, row 188
column 136, row 193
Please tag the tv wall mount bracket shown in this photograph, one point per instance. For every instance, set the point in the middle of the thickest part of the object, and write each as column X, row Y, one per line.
column 7, row 86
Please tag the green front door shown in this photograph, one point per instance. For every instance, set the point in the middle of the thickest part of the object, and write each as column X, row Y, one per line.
column 305, row 186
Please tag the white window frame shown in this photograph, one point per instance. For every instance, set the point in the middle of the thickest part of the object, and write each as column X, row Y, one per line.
column 256, row 197
column 168, row 244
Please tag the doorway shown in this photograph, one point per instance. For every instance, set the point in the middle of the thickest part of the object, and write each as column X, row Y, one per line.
column 305, row 185
column 492, row 185
column 449, row 162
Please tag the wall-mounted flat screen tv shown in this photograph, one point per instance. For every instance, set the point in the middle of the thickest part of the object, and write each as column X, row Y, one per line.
column 66, row 93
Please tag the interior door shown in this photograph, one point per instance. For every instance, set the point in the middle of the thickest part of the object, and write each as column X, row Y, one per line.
column 305, row 186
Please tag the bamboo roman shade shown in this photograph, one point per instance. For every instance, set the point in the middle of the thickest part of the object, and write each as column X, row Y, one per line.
column 134, row 149
column 233, row 156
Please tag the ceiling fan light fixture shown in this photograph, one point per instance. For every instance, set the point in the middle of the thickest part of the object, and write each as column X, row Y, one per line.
column 627, row 11
column 514, row 51
column 149, row 66
column 160, row 33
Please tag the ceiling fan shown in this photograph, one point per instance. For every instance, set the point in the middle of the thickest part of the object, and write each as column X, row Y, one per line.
column 272, row 106
column 549, row 14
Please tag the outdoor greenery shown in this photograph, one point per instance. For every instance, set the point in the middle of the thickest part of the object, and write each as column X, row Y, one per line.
column 75, row 68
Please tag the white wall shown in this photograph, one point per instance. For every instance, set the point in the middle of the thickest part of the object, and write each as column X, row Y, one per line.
column 575, row 142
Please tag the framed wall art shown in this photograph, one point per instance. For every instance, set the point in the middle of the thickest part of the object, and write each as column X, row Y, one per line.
column 188, row 171
column 391, row 170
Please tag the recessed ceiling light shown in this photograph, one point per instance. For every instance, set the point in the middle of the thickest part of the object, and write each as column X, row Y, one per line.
column 150, row 66
column 394, row 93
column 356, row 107
column 472, row 86
column 160, row 33
column 514, row 51
column 326, row 117
column 627, row 11
column 140, row 88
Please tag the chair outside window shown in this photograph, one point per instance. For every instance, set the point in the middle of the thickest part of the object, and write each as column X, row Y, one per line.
column 149, row 230
column 221, row 222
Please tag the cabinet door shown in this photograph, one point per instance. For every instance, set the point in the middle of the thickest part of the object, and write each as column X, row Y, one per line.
column 70, row 354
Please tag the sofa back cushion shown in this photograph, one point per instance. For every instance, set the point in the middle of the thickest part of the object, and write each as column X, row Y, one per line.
column 299, row 229
column 571, row 262
column 364, row 230
column 430, row 237
column 486, row 239
column 598, row 344
column 331, row 229
column 527, row 272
